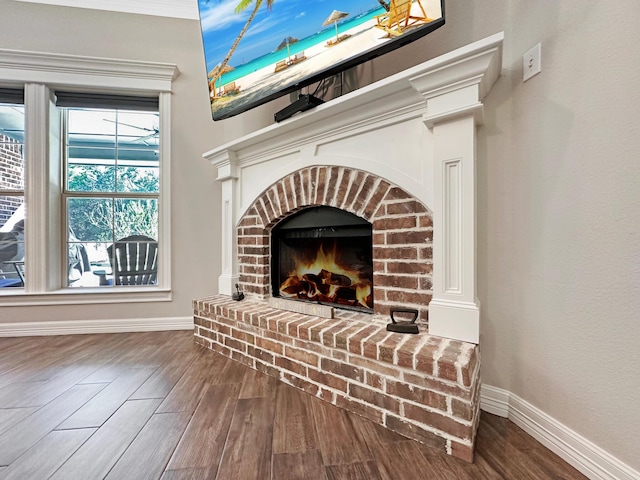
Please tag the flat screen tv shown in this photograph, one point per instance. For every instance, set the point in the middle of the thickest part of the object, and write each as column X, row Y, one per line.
column 256, row 51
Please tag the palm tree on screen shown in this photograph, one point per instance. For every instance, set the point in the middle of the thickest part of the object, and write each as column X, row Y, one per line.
column 242, row 6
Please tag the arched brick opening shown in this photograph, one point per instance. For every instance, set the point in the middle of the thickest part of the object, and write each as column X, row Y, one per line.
column 402, row 232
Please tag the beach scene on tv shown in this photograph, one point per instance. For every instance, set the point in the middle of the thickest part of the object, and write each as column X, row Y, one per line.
column 255, row 50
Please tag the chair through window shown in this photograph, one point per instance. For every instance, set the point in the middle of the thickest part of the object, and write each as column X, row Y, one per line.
column 134, row 261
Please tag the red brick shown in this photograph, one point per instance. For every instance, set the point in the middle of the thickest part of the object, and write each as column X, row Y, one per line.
column 269, row 345
column 387, row 348
column 408, row 267
column 282, row 197
column 342, row 338
column 406, row 207
column 431, row 383
column 328, row 379
column 243, row 336
column 268, row 369
column 462, row 410
column 355, row 187
column 316, row 330
column 342, row 369
column 301, row 355
column 358, row 408
column 396, row 281
column 404, row 298
column 365, row 191
column 261, row 354
column 462, row 451
column 300, row 383
column 374, row 398
column 376, row 366
column 304, row 182
column 292, row 327
column 406, row 353
column 294, row 367
column 329, row 334
column 407, row 222
column 415, row 432
column 321, row 185
column 437, row 421
column 374, row 380
column 374, row 202
column 370, row 345
column 242, row 358
column 417, row 395
column 396, row 193
column 235, row 344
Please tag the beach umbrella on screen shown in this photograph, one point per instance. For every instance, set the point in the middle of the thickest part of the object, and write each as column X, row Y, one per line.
column 286, row 42
column 333, row 18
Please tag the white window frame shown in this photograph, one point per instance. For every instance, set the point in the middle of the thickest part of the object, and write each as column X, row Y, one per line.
column 41, row 74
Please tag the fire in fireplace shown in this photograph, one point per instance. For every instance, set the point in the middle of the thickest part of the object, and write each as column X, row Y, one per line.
column 323, row 255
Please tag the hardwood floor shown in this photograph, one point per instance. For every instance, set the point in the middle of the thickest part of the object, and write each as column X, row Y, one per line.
column 156, row 406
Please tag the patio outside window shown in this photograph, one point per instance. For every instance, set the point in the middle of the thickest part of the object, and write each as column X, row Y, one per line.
column 111, row 190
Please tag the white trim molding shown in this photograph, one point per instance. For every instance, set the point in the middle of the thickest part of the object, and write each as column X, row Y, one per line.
column 78, row 327
column 86, row 73
column 162, row 8
column 40, row 74
column 581, row 453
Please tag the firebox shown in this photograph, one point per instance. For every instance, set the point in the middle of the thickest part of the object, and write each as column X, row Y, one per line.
column 323, row 255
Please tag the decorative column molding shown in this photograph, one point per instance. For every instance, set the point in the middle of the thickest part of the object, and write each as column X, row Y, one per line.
column 226, row 164
column 453, row 95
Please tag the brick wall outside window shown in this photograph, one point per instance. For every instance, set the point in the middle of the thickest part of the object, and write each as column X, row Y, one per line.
column 11, row 175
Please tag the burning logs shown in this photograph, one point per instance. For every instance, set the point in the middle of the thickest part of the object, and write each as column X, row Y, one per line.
column 328, row 287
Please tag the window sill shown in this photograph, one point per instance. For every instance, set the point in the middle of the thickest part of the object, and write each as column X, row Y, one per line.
column 86, row 296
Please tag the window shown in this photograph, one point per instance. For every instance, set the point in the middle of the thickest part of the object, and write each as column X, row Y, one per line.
column 91, row 161
column 11, row 188
column 111, row 192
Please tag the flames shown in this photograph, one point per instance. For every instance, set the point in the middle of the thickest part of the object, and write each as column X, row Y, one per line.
column 323, row 279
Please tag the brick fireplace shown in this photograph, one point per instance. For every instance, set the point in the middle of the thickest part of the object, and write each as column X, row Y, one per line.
column 402, row 232
column 399, row 154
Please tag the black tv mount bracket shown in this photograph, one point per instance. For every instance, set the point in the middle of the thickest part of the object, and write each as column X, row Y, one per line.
column 302, row 104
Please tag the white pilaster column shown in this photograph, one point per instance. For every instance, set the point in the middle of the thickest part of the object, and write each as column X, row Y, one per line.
column 454, row 310
column 228, row 176
column 453, row 96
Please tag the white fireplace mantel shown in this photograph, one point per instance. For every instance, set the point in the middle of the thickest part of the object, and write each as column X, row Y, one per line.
column 417, row 129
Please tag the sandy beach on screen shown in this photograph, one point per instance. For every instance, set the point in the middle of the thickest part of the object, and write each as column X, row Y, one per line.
column 266, row 81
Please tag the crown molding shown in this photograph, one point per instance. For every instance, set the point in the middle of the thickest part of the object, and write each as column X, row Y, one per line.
column 88, row 72
column 187, row 9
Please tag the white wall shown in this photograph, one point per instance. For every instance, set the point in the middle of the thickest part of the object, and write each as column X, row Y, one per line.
column 195, row 216
column 559, row 208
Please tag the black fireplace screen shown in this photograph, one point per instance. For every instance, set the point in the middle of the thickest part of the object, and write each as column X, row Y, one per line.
column 324, row 255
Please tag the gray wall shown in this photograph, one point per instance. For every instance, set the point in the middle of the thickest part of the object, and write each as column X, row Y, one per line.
column 559, row 208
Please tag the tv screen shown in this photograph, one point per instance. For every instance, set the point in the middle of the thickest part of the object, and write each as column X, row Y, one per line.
column 256, row 51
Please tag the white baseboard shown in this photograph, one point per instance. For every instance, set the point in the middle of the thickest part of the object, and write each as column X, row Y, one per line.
column 576, row 450
column 75, row 327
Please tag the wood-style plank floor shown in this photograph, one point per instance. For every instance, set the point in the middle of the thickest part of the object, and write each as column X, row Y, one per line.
column 157, row 406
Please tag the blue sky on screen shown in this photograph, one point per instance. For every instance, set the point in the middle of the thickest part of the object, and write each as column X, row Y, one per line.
column 287, row 18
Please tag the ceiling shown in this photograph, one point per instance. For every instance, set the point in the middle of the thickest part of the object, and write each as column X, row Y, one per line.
column 164, row 8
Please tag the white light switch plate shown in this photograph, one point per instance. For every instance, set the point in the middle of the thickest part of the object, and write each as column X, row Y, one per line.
column 531, row 63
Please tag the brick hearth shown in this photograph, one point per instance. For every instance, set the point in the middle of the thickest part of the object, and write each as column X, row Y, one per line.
column 421, row 386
